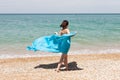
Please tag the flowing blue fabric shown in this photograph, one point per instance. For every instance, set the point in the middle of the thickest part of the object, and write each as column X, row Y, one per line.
column 53, row 43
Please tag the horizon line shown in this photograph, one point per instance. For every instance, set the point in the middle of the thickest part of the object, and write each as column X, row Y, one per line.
column 57, row 13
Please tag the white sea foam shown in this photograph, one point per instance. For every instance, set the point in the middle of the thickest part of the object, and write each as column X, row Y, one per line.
column 88, row 51
column 83, row 51
column 6, row 56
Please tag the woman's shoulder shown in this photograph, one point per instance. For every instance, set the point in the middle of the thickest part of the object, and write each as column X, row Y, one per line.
column 64, row 31
column 67, row 30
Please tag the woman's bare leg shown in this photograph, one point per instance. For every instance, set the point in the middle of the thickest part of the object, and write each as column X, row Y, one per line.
column 60, row 63
column 66, row 61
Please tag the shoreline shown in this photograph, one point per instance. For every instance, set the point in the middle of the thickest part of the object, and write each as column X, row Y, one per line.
column 21, row 52
column 81, row 67
column 100, row 55
column 29, row 54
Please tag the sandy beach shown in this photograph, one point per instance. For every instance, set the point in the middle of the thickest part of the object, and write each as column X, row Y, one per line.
column 81, row 67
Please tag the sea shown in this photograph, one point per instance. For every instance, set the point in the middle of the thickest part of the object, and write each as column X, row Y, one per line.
column 96, row 33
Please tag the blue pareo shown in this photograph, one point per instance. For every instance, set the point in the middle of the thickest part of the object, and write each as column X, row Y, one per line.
column 53, row 43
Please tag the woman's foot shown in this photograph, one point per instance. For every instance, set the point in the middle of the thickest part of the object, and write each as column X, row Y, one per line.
column 63, row 63
column 65, row 69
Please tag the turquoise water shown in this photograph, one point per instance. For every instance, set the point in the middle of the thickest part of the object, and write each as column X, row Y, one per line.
column 97, row 31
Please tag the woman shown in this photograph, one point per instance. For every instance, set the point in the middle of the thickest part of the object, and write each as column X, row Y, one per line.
column 55, row 43
column 64, row 56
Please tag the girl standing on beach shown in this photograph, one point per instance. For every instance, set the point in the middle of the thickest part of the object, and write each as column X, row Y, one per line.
column 64, row 56
column 55, row 43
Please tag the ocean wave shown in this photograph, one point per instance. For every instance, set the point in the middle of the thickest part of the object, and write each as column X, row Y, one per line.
column 83, row 51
